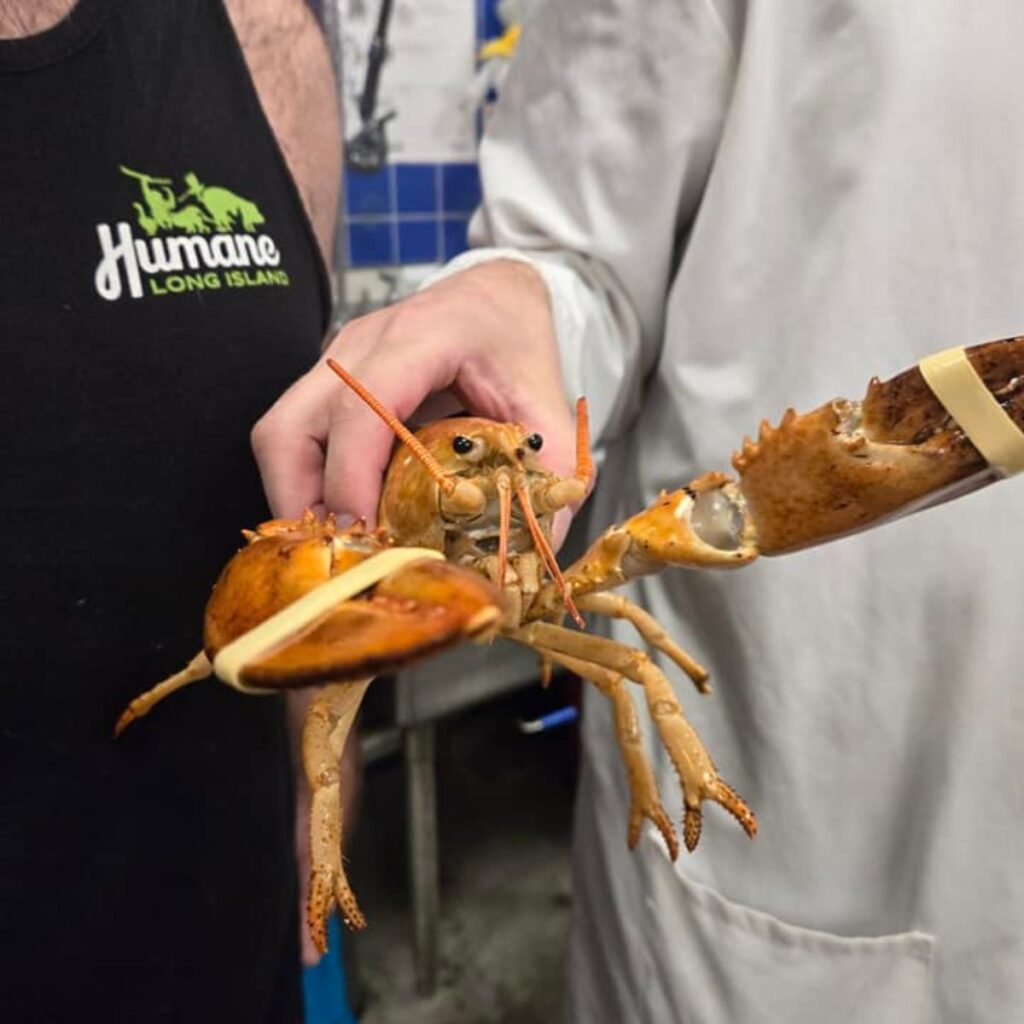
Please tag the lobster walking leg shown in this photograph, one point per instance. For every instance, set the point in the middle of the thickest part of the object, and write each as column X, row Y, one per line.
column 644, row 801
column 197, row 669
column 615, row 606
column 328, row 723
column 697, row 773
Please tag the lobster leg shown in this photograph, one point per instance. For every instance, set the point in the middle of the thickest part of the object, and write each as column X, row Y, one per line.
column 697, row 773
column 644, row 801
column 197, row 669
column 615, row 606
column 328, row 723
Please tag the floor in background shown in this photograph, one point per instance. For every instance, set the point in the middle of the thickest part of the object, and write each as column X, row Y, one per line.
column 505, row 808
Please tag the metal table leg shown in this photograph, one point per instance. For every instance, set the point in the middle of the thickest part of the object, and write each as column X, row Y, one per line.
column 423, row 859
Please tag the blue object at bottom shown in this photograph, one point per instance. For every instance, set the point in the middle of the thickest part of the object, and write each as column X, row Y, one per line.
column 323, row 986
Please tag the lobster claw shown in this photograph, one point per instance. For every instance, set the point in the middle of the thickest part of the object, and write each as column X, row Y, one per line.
column 419, row 606
column 702, row 525
column 850, row 465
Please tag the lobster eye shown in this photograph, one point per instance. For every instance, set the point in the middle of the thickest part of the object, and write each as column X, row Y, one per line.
column 462, row 444
column 535, row 441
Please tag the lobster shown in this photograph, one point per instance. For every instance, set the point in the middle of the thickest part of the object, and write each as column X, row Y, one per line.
column 462, row 551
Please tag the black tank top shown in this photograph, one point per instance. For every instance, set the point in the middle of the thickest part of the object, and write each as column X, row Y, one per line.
column 159, row 287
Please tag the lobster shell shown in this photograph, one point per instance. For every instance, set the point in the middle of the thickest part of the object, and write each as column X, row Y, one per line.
column 850, row 465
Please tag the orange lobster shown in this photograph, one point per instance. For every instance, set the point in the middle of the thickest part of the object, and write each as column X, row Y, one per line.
column 463, row 551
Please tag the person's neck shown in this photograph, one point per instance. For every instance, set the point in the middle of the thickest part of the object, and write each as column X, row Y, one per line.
column 20, row 18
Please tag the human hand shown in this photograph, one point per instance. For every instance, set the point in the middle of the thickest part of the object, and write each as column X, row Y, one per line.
column 482, row 340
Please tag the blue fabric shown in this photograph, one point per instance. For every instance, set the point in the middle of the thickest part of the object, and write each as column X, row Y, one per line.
column 323, row 986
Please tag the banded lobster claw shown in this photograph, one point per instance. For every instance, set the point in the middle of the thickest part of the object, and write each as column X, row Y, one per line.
column 850, row 465
column 844, row 467
column 307, row 603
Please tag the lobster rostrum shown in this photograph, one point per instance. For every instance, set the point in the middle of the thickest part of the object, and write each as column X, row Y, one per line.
column 463, row 551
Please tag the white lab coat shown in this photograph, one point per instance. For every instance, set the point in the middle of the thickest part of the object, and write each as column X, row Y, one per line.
column 740, row 207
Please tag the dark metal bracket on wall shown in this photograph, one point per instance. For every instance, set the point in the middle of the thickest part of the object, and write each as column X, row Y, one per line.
column 367, row 150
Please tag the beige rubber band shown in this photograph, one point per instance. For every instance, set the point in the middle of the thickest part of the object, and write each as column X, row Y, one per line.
column 289, row 621
column 958, row 387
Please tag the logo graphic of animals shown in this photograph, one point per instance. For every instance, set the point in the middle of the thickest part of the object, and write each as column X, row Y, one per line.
column 196, row 209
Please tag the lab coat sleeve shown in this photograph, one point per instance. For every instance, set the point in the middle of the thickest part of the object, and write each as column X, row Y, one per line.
column 593, row 165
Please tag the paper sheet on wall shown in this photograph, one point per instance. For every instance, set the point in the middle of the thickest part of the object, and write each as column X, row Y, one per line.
column 424, row 78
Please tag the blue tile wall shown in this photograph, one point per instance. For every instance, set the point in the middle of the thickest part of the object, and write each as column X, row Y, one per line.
column 460, row 188
column 417, row 241
column 369, row 194
column 488, row 25
column 416, row 187
column 409, row 213
column 372, row 243
column 414, row 213
column 455, row 236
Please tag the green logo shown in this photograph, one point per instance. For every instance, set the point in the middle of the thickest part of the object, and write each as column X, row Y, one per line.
column 194, row 237
column 194, row 209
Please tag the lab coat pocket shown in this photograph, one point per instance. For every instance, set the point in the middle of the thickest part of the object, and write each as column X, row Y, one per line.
column 714, row 961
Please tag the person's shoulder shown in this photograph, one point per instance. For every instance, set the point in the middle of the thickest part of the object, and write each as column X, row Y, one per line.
column 290, row 66
column 262, row 25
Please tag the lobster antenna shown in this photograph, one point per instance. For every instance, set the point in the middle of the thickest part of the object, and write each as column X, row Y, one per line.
column 504, row 488
column 584, row 462
column 540, row 542
column 430, row 464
